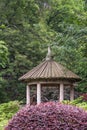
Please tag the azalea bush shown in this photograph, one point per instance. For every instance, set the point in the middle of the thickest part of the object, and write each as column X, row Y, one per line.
column 49, row 116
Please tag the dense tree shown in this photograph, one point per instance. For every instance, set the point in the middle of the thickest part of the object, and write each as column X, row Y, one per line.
column 68, row 19
column 3, row 54
column 3, row 62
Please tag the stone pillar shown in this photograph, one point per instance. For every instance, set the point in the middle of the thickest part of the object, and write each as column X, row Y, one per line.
column 38, row 93
column 28, row 94
column 71, row 92
column 61, row 97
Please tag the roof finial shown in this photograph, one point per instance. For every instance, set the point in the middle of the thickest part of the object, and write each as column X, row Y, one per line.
column 49, row 54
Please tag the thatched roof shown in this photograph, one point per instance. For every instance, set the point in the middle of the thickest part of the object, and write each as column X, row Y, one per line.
column 49, row 69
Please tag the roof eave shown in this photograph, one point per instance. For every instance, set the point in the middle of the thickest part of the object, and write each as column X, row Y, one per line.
column 50, row 79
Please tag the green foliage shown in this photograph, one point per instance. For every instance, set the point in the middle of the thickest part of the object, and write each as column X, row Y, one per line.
column 65, row 13
column 77, row 102
column 3, row 54
column 3, row 124
column 68, row 19
column 80, row 103
column 71, row 52
column 7, row 110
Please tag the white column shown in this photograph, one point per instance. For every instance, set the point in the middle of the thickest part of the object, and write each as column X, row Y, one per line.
column 28, row 94
column 71, row 93
column 38, row 93
column 61, row 97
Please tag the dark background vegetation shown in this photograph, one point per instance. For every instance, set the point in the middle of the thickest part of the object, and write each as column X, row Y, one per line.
column 27, row 27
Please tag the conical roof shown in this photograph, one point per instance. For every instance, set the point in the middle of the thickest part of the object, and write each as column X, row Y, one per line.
column 49, row 69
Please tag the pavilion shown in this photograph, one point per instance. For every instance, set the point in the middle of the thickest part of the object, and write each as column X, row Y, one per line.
column 49, row 73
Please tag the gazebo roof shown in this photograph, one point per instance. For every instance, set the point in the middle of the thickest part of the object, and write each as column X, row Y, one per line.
column 49, row 69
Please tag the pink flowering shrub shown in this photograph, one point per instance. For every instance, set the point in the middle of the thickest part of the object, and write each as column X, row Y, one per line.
column 49, row 116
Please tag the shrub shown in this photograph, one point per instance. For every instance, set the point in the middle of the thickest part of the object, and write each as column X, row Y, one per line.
column 80, row 102
column 82, row 105
column 77, row 100
column 3, row 124
column 49, row 116
column 7, row 110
